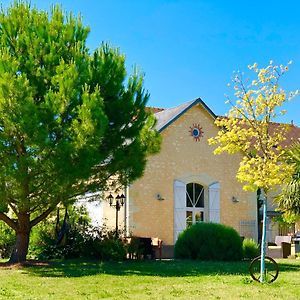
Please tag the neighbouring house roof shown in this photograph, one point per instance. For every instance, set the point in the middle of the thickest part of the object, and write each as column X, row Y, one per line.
column 293, row 135
column 154, row 110
column 169, row 115
column 166, row 117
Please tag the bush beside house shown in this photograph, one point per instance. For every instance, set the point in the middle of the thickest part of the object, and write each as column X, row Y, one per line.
column 209, row 241
column 250, row 249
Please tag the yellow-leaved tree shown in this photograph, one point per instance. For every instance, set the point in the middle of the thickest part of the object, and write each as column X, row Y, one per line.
column 249, row 129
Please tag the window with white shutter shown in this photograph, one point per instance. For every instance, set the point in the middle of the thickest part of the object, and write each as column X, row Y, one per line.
column 214, row 202
column 179, row 208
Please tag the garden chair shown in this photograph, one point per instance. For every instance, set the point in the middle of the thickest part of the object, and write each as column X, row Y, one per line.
column 282, row 247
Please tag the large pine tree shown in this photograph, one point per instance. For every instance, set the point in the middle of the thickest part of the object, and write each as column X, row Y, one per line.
column 69, row 120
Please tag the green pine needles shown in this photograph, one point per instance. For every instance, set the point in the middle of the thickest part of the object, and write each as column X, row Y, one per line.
column 70, row 120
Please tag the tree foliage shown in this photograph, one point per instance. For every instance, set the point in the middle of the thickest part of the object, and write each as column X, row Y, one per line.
column 69, row 119
column 289, row 200
column 250, row 129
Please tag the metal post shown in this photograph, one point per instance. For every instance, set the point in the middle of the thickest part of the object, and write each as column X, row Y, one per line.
column 126, row 211
column 119, row 203
column 117, row 213
column 263, row 240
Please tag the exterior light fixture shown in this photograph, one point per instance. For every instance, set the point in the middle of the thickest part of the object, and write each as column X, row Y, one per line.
column 118, row 203
column 159, row 197
column 234, row 199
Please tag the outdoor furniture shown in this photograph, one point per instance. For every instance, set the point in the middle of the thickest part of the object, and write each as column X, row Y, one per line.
column 157, row 247
column 282, row 248
column 296, row 241
column 144, row 247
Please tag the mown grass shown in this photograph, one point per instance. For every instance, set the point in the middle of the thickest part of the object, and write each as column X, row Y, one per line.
column 146, row 280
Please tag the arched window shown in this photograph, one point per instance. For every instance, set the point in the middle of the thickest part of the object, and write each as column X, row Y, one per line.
column 194, row 203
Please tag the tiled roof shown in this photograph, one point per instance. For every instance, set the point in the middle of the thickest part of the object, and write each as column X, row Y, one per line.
column 167, row 116
column 154, row 110
column 292, row 135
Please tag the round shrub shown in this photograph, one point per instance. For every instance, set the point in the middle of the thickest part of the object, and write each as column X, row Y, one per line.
column 209, row 241
column 112, row 248
column 250, row 249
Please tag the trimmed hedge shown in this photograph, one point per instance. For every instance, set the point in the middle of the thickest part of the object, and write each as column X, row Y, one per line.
column 209, row 241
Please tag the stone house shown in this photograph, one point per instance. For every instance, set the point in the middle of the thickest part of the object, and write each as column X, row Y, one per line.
column 186, row 183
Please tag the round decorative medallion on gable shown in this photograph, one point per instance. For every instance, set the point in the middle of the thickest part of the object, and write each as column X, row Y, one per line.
column 196, row 132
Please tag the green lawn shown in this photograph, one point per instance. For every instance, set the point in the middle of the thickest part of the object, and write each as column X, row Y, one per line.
column 146, row 280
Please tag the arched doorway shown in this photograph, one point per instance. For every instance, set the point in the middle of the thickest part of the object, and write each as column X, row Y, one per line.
column 194, row 202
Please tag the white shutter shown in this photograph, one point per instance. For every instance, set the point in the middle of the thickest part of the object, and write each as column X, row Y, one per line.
column 179, row 208
column 214, row 202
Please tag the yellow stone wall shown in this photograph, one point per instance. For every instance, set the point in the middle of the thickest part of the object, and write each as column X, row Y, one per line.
column 183, row 158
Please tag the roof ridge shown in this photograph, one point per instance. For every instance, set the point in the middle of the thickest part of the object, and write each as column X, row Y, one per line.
column 168, row 116
column 184, row 103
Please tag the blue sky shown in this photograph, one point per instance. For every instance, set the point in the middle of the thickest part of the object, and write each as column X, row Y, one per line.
column 190, row 48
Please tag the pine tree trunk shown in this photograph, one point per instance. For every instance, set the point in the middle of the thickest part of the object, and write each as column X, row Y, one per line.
column 21, row 247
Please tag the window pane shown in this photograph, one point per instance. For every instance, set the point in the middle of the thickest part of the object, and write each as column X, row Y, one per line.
column 189, row 195
column 199, row 195
column 199, row 216
column 189, row 218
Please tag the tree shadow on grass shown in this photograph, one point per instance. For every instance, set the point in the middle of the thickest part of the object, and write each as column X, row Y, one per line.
column 163, row 268
column 289, row 266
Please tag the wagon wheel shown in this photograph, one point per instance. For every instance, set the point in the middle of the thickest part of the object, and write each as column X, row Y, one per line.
column 271, row 269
